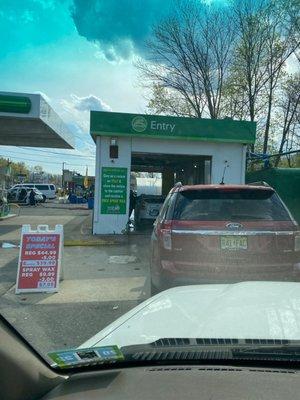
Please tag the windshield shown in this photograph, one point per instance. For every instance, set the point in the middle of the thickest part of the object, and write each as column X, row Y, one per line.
column 150, row 178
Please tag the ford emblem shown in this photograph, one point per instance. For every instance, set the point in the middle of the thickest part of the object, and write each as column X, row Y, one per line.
column 234, row 225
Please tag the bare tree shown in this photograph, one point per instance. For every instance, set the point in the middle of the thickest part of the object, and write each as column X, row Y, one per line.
column 231, row 61
column 169, row 102
column 189, row 54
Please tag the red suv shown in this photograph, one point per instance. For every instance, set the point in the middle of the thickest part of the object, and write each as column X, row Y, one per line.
column 212, row 233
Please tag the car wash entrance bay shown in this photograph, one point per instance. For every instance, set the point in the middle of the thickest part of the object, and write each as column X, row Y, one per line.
column 189, row 150
column 113, row 190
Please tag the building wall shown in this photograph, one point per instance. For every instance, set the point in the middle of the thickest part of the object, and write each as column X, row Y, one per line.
column 233, row 153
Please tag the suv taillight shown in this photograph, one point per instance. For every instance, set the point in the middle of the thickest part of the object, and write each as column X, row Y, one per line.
column 165, row 234
column 166, row 239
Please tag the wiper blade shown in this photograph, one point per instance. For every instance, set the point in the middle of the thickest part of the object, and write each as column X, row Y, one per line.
column 213, row 349
column 164, row 342
column 280, row 353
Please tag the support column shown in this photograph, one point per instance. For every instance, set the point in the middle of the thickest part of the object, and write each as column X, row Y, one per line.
column 112, row 186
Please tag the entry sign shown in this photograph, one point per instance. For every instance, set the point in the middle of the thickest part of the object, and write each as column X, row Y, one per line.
column 113, row 190
column 39, row 259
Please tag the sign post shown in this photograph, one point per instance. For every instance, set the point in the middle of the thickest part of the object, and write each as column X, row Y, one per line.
column 40, row 258
column 113, row 190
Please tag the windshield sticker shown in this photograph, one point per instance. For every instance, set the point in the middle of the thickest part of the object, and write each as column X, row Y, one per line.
column 88, row 356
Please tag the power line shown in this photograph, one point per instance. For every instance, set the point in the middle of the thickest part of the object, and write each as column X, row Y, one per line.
column 47, row 162
column 36, row 155
column 53, row 152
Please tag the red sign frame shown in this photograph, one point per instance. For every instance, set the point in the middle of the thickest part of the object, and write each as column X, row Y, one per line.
column 39, row 259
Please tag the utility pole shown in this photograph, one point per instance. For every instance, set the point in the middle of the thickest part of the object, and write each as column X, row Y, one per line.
column 62, row 175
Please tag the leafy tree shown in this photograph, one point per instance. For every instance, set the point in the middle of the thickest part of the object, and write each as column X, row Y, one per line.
column 289, row 115
column 267, row 38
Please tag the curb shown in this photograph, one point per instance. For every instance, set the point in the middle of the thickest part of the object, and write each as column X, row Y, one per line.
column 8, row 217
column 76, row 242
column 79, row 243
column 66, row 208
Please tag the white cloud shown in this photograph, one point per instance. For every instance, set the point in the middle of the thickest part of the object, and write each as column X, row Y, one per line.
column 76, row 110
column 84, row 142
column 89, row 103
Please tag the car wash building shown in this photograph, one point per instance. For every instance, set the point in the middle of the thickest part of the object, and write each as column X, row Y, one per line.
column 189, row 150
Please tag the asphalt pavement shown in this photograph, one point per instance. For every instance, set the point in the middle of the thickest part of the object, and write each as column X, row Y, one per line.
column 103, row 279
column 101, row 282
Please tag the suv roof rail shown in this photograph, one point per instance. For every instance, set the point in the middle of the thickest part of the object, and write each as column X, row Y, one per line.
column 259, row 183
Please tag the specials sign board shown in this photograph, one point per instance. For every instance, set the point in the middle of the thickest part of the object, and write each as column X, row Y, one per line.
column 39, row 259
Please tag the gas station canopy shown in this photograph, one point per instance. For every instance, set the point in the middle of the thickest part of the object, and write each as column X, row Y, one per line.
column 28, row 120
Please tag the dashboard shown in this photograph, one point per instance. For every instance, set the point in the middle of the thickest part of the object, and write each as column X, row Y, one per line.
column 180, row 382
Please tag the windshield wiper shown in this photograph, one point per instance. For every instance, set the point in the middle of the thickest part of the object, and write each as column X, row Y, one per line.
column 170, row 349
column 284, row 352
column 179, row 349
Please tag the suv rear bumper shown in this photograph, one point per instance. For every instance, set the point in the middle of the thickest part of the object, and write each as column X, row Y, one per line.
column 168, row 280
column 181, row 273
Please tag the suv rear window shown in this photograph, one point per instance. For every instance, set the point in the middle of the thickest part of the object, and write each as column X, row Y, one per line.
column 229, row 204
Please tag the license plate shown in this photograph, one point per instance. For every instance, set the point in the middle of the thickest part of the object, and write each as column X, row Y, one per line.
column 234, row 243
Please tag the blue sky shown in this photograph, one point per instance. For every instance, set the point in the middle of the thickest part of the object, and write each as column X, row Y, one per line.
column 78, row 53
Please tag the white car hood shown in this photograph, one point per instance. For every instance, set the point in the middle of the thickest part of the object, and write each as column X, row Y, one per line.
column 260, row 310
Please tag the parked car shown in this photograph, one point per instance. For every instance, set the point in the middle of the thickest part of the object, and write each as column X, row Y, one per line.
column 21, row 195
column 212, row 233
column 147, row 208
column 48, row 190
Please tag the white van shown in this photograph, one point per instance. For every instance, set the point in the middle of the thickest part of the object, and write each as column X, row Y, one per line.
column 48, row 189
